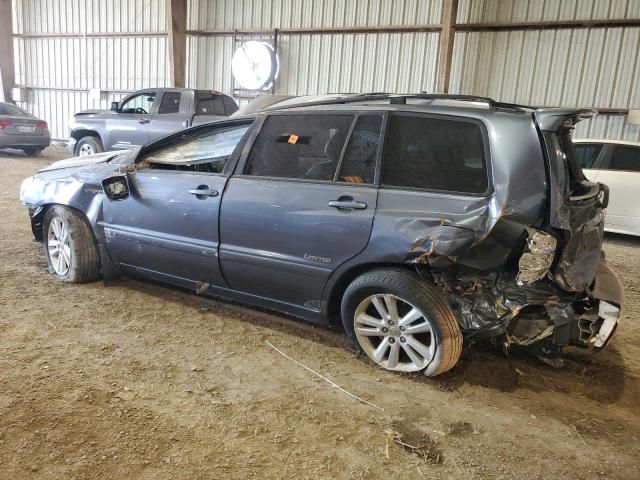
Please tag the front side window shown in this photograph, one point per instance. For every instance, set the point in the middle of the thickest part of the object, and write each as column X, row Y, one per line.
column 625, row 158
column 587, row 153
column 434, row 154
column 299, row 146
column 170, row 103
column 141, row 103
column 206, row 152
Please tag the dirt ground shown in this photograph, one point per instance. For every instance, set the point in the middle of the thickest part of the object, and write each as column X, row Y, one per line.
column 137, row 380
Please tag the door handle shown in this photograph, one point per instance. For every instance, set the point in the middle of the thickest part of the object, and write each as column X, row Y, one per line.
column 143, row 121
column 203, row 191
column 347, row 203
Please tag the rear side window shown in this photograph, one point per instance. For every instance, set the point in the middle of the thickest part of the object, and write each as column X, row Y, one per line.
column 170, row 102
column 625, row 158
column 434, row 154
column 359, row 161
column 299, row 146
column 587, row 153
column 209, row 104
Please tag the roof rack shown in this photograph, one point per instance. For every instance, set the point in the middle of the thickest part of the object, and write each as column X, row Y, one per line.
column 401, row 99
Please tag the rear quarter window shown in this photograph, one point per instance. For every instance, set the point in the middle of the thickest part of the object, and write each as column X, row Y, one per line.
column 435, row 154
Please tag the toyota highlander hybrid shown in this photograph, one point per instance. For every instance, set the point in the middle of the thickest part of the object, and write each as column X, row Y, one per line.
column 422, row 222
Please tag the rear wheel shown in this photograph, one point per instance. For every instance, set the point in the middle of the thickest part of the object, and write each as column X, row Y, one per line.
column 33, row 152
column 401, row 322
column 89, row 145
column 69, row 246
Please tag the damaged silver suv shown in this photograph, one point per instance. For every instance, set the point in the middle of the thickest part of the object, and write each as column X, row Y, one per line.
column 421, row 221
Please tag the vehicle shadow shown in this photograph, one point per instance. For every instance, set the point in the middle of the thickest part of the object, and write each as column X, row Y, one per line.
column 584, row 375
column 621, row 239
column 11, row 152
column 331, row 336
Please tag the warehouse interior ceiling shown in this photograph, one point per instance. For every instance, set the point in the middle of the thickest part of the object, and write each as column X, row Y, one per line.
column 544, row 53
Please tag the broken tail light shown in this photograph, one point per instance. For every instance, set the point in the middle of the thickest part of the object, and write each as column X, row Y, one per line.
column 537, row 258
column 5, row 123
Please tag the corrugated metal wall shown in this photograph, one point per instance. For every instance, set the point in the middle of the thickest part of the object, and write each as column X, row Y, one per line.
column 579, row 67
column 58, row 63
column 65, row 47
column 321, row 63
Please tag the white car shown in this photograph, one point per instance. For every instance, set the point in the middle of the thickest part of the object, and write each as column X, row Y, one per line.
column 615, row 163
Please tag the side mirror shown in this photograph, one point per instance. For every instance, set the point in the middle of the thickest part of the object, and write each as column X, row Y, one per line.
column 114, row 106
column 116, row 188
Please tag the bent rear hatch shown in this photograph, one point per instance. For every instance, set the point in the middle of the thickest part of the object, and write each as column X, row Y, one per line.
column 576, row 205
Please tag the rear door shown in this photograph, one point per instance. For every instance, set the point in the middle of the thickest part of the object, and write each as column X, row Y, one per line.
column 300, row 204
column 620, row 171
column 167, row 228
column 130, row 126
column 173, row 114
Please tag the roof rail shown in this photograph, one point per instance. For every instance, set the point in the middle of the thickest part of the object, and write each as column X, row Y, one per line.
column 402, row 99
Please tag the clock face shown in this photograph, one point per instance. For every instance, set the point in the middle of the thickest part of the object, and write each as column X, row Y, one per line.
column 255, row 65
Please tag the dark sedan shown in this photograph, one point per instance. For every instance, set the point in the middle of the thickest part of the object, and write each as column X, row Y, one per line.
column 23, row 131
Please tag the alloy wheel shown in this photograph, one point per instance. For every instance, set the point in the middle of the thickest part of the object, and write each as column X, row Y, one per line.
column 58, row 244
column 394, row 333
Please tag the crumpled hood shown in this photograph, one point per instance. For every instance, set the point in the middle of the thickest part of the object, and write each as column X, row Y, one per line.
column 81, row 161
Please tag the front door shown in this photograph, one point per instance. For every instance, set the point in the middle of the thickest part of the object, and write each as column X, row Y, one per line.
column 167, row 228
column 301, row 204
column 129, row 127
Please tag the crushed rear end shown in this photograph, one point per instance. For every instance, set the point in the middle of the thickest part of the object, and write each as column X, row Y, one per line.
column 576, row 219
column 555, row 289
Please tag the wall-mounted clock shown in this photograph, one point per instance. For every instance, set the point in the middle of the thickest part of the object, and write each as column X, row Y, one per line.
column 255, row 65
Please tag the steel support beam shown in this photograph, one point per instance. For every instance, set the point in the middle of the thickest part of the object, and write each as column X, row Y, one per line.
column 547, row 25
column 445, row 51
column 7, row 69
column 177, row 22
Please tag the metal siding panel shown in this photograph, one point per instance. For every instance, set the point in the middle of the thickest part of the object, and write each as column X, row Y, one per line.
column 57, row 70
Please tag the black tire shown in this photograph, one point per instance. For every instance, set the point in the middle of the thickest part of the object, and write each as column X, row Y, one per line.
column 84, row 265
column 417, row 291
column 32, row 152
column 91, row 142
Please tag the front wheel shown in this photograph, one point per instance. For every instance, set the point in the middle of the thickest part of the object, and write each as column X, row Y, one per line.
column 88, row 145
column 401, row 322
column 69, row 246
